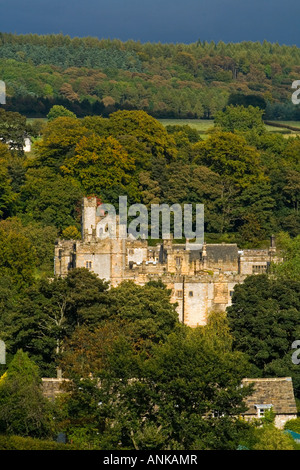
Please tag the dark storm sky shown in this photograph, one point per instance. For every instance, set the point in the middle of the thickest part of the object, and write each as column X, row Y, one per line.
column 157, row 20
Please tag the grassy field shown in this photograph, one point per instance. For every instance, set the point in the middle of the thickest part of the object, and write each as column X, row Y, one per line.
column 36, row 119
column 290, row 123
column 203, row 125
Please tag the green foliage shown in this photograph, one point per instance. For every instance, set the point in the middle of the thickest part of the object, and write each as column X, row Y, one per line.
column 241, row 119
column 59, row 140
column 293, row 425
column 185, row 130
column 264, row 435
column 249, row 183
column 59, row 111
column 271, row 438
column 24, row 410
column 12, row 129
column 264, row 320
column 7, row 194
column 255, row 212
column 290, row 250
column 146, row 308
column 29, row 443
column 35, row 127
column 163, row 402
column 92, row 76
column 17, row 259
column 71, row 233
column 49, row 199
column 146, row 130
column 101, row 166
column 41, row 239
column 81, row 299
column 269, row 418
column 236, row 174
column 229, row 155
column 58, row 305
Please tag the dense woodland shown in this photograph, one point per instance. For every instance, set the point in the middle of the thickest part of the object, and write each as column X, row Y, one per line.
column 247, row 178
column 92, row 76
column 163, row 384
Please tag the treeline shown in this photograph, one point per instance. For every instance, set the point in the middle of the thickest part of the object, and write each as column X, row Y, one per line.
column 165, row 80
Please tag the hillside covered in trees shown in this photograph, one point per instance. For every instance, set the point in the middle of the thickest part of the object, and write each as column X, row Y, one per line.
column 92, row 76
column 164, row 385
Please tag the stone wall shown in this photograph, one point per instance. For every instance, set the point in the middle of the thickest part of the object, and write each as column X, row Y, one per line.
column 52, row 387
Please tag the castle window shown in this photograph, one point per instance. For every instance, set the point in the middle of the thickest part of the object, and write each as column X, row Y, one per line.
column 179, row 294
column 191, row 293
column 258, row 269
column 178, row 261
column 88, row 265
column 217, row 414
column 131, row 252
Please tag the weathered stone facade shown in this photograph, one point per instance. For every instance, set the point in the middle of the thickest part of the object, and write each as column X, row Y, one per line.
column 200, row 279
column 52, row 387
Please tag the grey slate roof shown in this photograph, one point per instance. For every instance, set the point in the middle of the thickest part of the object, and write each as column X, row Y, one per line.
column 277, row 392
column 224, row 252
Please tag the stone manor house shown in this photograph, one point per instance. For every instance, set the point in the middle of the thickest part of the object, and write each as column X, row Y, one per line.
column 200, row 279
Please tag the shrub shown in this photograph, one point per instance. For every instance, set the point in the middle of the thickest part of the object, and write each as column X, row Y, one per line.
column 293, row 425
column 28, row 443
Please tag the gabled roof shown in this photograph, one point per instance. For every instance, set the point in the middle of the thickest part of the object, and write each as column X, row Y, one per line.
column 277, row 392
column 223, row 251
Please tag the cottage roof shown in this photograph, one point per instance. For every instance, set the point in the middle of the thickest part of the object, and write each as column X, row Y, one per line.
column 277, row 392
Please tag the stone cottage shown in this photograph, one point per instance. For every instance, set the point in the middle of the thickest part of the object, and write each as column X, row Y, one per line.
column 275, row 393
